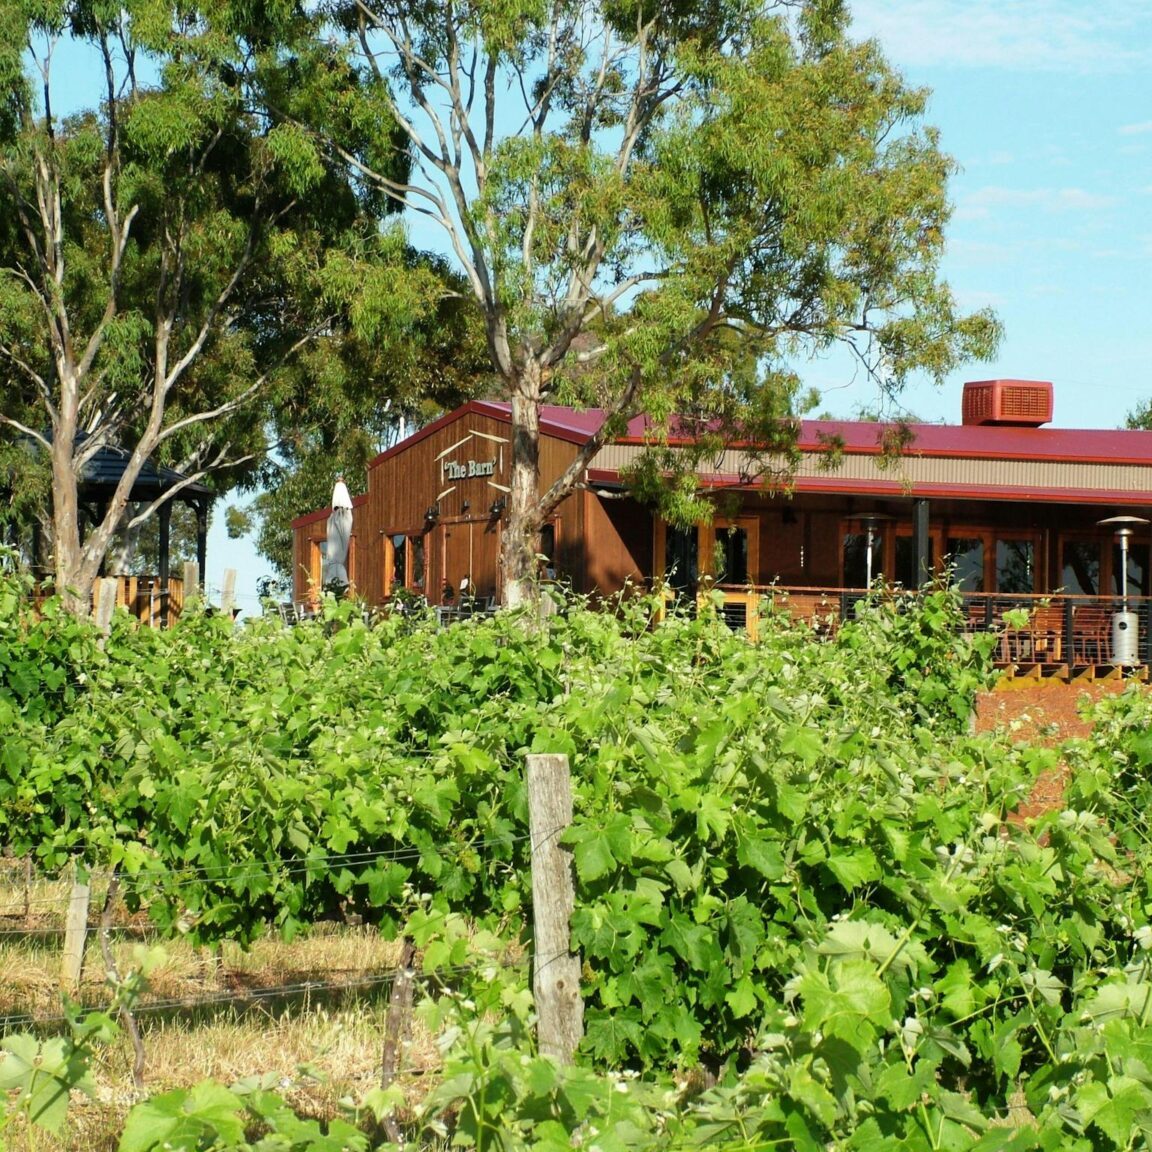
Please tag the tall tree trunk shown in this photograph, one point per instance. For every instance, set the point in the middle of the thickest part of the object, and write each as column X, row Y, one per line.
column 75, row 567
column 521, row 539
column 73, row 583
column 121, row 558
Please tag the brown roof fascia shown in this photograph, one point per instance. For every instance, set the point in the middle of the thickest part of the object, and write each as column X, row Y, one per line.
column 426, row 431
column 324, row 513
column 494, row 410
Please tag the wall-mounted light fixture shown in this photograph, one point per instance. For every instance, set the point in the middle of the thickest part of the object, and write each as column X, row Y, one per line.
column 465, row 505
column 498, row 505
column 432, row 514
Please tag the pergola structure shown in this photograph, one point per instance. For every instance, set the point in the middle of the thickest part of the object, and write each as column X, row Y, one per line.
column 99, row 478
column 101, row 474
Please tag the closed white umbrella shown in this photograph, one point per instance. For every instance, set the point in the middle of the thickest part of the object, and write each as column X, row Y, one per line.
column 339, row 534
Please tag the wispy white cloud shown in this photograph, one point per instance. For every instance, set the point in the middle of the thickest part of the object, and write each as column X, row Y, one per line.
column 999, row 159
column 986, row 201
column 1024, row 35
column 1134, row 250
column 981, row 253
column 972, row 299
column 1136, row 129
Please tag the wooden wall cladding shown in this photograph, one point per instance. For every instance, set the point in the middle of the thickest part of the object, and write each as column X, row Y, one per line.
column 445, row 487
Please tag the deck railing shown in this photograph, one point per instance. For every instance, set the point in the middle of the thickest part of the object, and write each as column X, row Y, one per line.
column 1045, row 633
column 146, row 599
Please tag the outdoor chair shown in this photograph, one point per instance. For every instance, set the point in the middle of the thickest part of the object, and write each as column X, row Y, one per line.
column 816, row 609
column 1047, row 634
column 1091, row 634
column 1039, row 641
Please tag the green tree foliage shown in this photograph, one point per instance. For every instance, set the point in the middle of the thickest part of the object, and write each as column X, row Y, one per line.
column 346, row 397
column 1140, row 416
column 166, row 256
column 666, row 209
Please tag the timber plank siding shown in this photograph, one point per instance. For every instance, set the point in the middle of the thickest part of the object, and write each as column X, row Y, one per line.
column 432, row 516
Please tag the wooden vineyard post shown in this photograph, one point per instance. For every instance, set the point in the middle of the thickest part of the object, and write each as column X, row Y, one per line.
column 555, row 969
column 396, row 1025
column 76, row 923
column 75, row 933
column 228, row 592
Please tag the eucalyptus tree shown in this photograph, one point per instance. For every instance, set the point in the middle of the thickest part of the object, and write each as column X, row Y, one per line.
column 168, row 251
column 665, row 207
column 349, row 396
column 1140, row 416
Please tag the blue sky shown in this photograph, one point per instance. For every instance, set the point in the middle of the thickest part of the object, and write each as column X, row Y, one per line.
column 1046, row 105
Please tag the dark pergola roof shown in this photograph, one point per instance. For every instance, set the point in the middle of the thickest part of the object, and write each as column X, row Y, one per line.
column 102, row 472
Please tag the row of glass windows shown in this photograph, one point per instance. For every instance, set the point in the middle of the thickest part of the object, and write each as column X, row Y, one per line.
column 1013, row 562
column 405, row 566
column 992, row 563
column 981, row 562
column 1083, row 570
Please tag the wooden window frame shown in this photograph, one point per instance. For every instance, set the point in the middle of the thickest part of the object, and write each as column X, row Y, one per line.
column 706, row 545
column 990, row 537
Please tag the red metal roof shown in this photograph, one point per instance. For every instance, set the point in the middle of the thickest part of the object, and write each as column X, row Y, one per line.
column 958, row 441
column 982, row 442
column 1075, row 445
column 955, row 441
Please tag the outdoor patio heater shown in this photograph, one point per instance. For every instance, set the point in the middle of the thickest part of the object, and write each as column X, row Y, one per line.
column 1125, row 624
column 871, row 522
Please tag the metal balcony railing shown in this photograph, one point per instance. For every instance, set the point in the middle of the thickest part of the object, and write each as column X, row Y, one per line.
column 1045, row 632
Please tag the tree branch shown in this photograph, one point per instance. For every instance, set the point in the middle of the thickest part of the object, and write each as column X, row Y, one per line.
column 39, row 437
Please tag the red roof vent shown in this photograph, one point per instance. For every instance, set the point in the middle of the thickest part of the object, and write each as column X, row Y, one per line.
column 1024, row 403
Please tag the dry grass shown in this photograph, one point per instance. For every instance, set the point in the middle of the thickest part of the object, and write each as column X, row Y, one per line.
column 310, row 1012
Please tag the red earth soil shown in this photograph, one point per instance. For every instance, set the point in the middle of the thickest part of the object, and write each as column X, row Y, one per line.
column 1044, row 712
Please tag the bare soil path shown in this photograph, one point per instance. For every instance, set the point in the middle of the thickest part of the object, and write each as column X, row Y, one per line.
column 1043, row 712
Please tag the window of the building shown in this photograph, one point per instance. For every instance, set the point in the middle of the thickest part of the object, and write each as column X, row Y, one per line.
column 856, row 559
column 1091, row 567
column 1015, row 566
column 907, row 574
column 548, row 551
column 730, row 563
column 681, row 558
column 1080, row 567
column 965, row 560
column 415, row 564
column 986, row 562
column 1137, row 569
column 399, row 557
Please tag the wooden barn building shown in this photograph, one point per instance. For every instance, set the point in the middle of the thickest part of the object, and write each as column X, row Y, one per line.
column 1013, row 507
